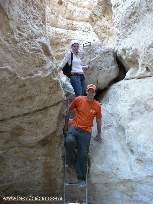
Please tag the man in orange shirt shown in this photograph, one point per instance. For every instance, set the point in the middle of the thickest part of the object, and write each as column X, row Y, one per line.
column 79, row 132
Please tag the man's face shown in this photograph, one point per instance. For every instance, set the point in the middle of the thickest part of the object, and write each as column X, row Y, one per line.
column 91, row 94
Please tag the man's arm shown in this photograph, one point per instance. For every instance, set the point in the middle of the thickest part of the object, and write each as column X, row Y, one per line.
column 69, row 112
column 98, row 136
column 67, row 116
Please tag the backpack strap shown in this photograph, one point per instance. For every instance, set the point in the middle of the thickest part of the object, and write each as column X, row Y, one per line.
column 71, row 60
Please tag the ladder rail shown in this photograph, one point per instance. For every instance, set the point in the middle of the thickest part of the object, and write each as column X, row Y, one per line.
column 74, row 184
column 66, row 184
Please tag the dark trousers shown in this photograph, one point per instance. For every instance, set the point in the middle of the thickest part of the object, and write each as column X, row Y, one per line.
column 77, row 137
column 78, row 84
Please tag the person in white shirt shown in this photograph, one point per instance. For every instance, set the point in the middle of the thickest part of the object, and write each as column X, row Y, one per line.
column 77, row 78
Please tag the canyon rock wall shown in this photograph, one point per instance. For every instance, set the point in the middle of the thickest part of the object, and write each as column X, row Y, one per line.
column 133, row 31
column 101, row 21
column 121, row 170
column 82, row 20
column 31, row 102
column 103, row 68
column 35, row 34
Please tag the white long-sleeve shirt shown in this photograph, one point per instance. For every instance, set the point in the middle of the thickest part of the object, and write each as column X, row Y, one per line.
column 77, row 67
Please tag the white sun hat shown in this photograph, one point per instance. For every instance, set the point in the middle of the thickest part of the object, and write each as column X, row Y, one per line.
column 74, row 42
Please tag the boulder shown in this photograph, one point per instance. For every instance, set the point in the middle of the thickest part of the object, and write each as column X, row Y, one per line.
column 24, row 44
column 103, row 68
column 132, row 33
column 31, row 103
column 121, row 170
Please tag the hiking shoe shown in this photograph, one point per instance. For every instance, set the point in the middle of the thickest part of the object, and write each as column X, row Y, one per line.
column 82, row 183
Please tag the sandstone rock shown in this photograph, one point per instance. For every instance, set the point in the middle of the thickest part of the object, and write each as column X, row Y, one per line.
column 103, row 68
column 23, row 40
column 101, row 21
column 20, row 95
column 69, row 20
column 133, row 30
column 121, row 170
column 30, row 129
column 31, row 103
column 30, row 147
column 33, row 35
column 66, row 85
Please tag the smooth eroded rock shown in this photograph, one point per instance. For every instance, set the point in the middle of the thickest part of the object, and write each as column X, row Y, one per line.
column 121, row 170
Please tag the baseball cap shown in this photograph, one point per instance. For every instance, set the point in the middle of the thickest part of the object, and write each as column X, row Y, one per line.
column 91, row 86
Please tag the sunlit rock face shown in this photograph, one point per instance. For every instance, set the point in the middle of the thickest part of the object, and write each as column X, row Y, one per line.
column 103, row 68
column 81, row 20
column 121, row 167
column 133, row 28
column 121, row 170
column 35, row 33
column 30, row 103
column 101, row 21
column 24, row 43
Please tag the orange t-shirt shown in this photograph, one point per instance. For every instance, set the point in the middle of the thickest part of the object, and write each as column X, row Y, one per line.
column 85, row 111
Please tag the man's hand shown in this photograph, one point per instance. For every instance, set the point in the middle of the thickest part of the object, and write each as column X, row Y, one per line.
column 65, row 112
column 98, row 138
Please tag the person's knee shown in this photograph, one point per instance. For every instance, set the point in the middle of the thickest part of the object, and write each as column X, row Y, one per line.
column 69, row 140
column 84, row 153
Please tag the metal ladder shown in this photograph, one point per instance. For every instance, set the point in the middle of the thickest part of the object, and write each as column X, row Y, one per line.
column 76, row 187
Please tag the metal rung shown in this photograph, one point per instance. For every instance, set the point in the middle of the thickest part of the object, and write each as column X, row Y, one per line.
column 75, row 203
column 76, row 185
column 72, row 203
column 73, row 184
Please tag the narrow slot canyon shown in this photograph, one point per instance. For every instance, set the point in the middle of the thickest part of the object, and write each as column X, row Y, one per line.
column 115, row 40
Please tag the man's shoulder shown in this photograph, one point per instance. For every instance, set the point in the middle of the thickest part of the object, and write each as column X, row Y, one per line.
column 80, row 98
column 84, row 98
column 97, row 103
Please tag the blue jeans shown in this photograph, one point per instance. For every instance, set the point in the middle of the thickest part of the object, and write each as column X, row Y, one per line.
column 78, row 84
column 77, row 137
